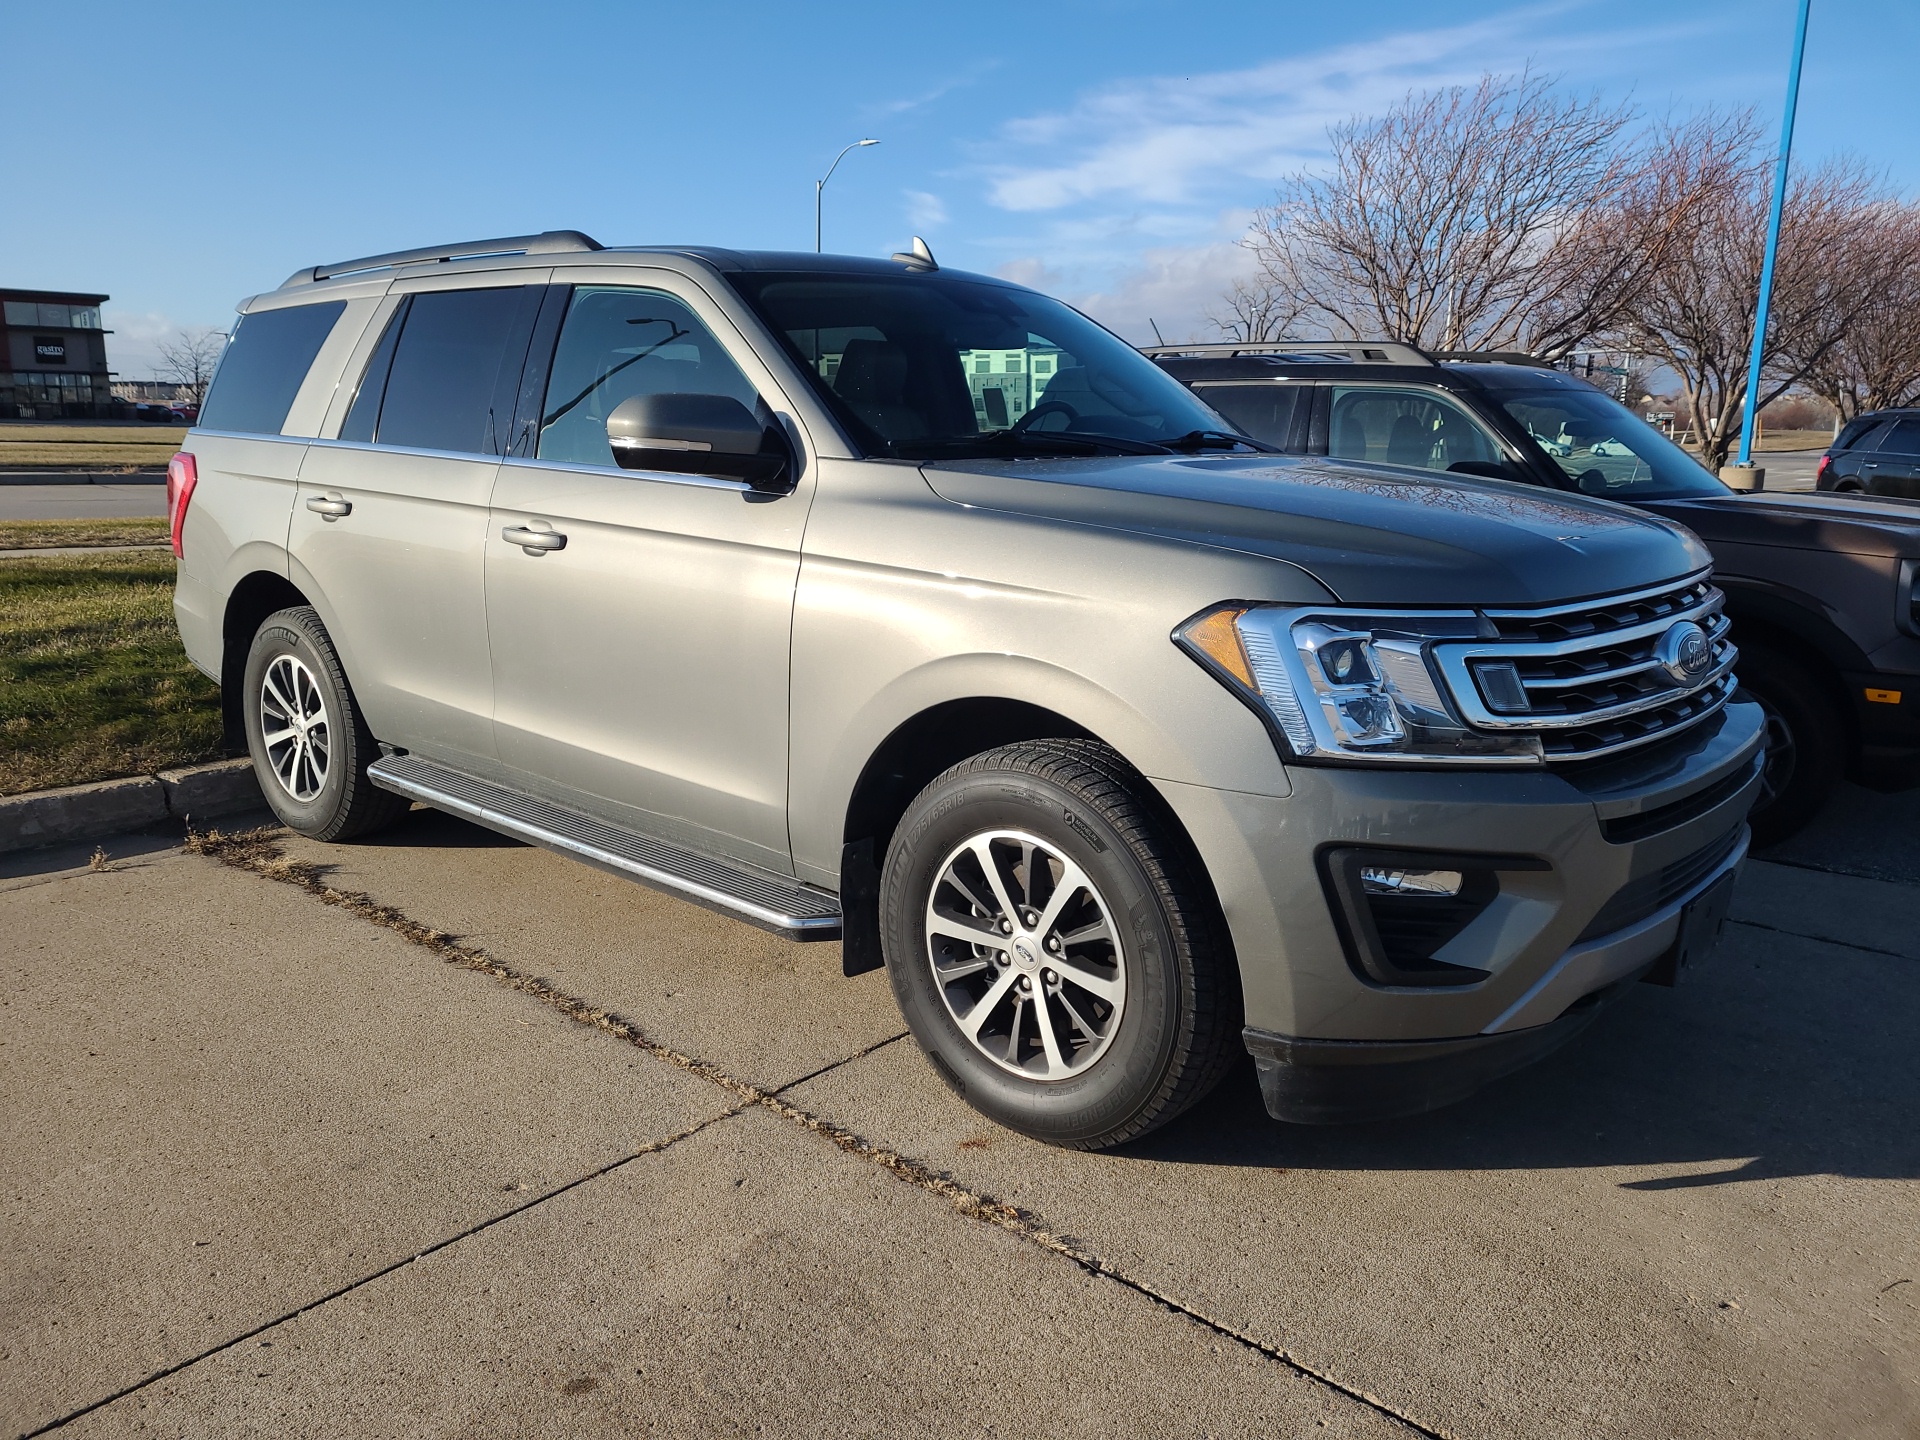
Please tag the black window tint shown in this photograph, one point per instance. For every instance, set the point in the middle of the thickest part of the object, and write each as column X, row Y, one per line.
column 264, row 365
column 617, row 343
column 1265, row 411
column 447, row 366
column 1905, row 437
column 364, row 416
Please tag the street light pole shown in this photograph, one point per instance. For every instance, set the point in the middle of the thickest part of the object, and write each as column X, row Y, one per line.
column 821, row 184
column 1773, row 240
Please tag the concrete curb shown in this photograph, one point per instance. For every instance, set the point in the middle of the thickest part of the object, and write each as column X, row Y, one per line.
column 89, row 812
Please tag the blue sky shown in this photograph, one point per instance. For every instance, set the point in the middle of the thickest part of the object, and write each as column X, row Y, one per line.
column 1107, row 150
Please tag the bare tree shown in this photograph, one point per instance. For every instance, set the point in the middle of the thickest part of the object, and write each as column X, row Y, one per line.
column 1485, row 218
column 189, row 357
column 1697, row 316
column 1877, row 362
column 1254, row 311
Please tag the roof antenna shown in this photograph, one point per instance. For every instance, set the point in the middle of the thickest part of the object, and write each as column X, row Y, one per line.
column 919, row 258
column 1156, row 330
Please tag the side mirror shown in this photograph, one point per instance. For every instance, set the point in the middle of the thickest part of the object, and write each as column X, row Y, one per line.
column 698, row 435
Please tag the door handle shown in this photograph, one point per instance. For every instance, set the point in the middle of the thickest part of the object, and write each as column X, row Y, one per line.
column 534, row 542
column 331, row 506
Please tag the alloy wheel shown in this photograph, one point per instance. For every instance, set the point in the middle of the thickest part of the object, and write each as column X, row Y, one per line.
column 294, row 727
column 1025, row 955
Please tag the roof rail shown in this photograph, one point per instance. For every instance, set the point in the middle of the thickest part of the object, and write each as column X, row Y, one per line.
column 1358, row 352
column 548, row 242
column 1494, row 357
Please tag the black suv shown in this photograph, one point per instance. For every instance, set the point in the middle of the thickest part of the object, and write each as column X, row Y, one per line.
column 1822, row 592
column 1877, row 454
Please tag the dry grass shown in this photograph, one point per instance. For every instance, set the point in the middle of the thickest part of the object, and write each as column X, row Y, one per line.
column 93, row 682
column 46, row 534
column 103, row 447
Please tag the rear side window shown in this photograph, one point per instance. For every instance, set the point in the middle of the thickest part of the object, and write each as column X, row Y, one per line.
column 455, row 368
column 1264, row 410
column 264, row 365
column 1905, row 437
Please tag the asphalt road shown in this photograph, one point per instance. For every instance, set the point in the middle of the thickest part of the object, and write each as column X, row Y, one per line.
column 283, row 1161
column 63, row 495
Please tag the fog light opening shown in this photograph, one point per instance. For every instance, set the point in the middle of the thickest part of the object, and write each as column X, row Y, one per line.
column 1387, row 880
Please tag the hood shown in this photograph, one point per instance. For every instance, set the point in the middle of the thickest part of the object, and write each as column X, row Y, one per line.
column 1846, row 524
column 1371, row 535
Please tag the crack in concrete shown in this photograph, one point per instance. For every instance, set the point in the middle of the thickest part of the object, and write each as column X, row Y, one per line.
column 1884, row 878
column 1822, row 939
column 258, row 851
column 653, row 1147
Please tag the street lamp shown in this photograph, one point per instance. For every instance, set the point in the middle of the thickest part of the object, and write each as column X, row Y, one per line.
column 821, row 184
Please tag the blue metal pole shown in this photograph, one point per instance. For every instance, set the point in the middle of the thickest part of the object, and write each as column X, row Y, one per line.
column 1773, row 239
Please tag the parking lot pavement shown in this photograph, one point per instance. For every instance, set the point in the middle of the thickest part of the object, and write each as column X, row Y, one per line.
column 1790, row 470
column 1701, row 1218
column 72, row 498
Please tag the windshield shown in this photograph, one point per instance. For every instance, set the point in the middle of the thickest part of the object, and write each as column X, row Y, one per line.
column 1605, row 449
column 934, row 367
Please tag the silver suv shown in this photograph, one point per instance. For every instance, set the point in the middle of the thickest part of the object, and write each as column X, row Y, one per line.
column 871, row 602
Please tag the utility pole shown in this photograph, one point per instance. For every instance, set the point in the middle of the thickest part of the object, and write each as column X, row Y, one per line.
column 1773, row 241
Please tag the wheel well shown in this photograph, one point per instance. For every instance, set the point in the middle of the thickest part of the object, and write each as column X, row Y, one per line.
column 251, row 601
column 1752, row 630
column 905, row 763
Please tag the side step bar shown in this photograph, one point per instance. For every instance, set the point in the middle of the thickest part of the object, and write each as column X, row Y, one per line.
column 773, row 902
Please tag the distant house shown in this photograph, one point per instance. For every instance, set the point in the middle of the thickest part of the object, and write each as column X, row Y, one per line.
column 56, row 356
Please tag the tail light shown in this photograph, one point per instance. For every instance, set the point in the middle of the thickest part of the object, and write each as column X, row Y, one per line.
column 1820, row 470
column 182, row 476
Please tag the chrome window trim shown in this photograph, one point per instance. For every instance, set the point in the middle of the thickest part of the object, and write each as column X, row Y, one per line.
column 698, row 482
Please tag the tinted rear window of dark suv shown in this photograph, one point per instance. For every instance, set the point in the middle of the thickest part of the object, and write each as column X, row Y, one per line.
column 264, row 365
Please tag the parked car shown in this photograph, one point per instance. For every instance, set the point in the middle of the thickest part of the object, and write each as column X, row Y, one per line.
column 156, row 414
column 868, row 601
column 1821, row 593
column 1875, row 454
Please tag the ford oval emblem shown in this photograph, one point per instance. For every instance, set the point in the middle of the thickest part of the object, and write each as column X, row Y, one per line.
column 1685, row 653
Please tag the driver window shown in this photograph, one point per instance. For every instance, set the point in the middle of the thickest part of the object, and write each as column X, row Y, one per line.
column 1417, row 428
column 618, row 342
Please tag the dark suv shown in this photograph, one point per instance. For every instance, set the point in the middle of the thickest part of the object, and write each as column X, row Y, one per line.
column 1877, row 454
column 1822, row 593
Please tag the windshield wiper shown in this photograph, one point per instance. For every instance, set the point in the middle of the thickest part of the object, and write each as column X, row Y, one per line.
column 1043, row 442
column 1219, row 440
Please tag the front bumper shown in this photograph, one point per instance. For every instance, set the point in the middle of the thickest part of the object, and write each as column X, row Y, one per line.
column 1633, row 839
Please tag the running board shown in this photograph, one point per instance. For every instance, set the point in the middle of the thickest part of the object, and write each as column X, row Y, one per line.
column 773, row 902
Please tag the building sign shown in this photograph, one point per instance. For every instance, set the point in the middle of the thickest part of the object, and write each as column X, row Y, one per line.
column 49, row 350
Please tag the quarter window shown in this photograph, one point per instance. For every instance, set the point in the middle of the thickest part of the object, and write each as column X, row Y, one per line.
column 457, row 355
column 1418, row 428
column 264, row 366
column 616, row 343
column 1264, row 410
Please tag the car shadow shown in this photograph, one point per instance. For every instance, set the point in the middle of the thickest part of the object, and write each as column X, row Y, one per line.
column 1769, row 1067
column 427, row 829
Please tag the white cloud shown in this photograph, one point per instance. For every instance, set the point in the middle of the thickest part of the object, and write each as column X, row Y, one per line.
column 133, row 351
column 925, row 211
column 1169, row 293
column 1173, row 140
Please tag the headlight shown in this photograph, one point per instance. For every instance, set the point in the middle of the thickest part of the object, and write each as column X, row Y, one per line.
column 1350, row 685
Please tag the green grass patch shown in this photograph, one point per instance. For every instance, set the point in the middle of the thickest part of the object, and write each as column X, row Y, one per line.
column 93, row 447
column 46, row 534
column 93, row 682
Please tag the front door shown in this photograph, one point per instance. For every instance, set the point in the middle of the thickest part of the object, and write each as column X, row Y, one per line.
column 389, row 524
column 640, row 644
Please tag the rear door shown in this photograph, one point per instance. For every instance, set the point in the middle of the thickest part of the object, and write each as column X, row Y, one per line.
column 1893, row 466
column 389, row 525
column 640, row 666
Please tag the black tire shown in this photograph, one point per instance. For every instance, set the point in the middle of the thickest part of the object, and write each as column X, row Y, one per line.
column 1806, row 741
column 340, row 803
column 1177, row 1030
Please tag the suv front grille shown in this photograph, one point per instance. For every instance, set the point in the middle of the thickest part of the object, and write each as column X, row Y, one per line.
column 1591, row 679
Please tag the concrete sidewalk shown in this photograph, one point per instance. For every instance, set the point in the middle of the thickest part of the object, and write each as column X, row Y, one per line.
column 237, row 1110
